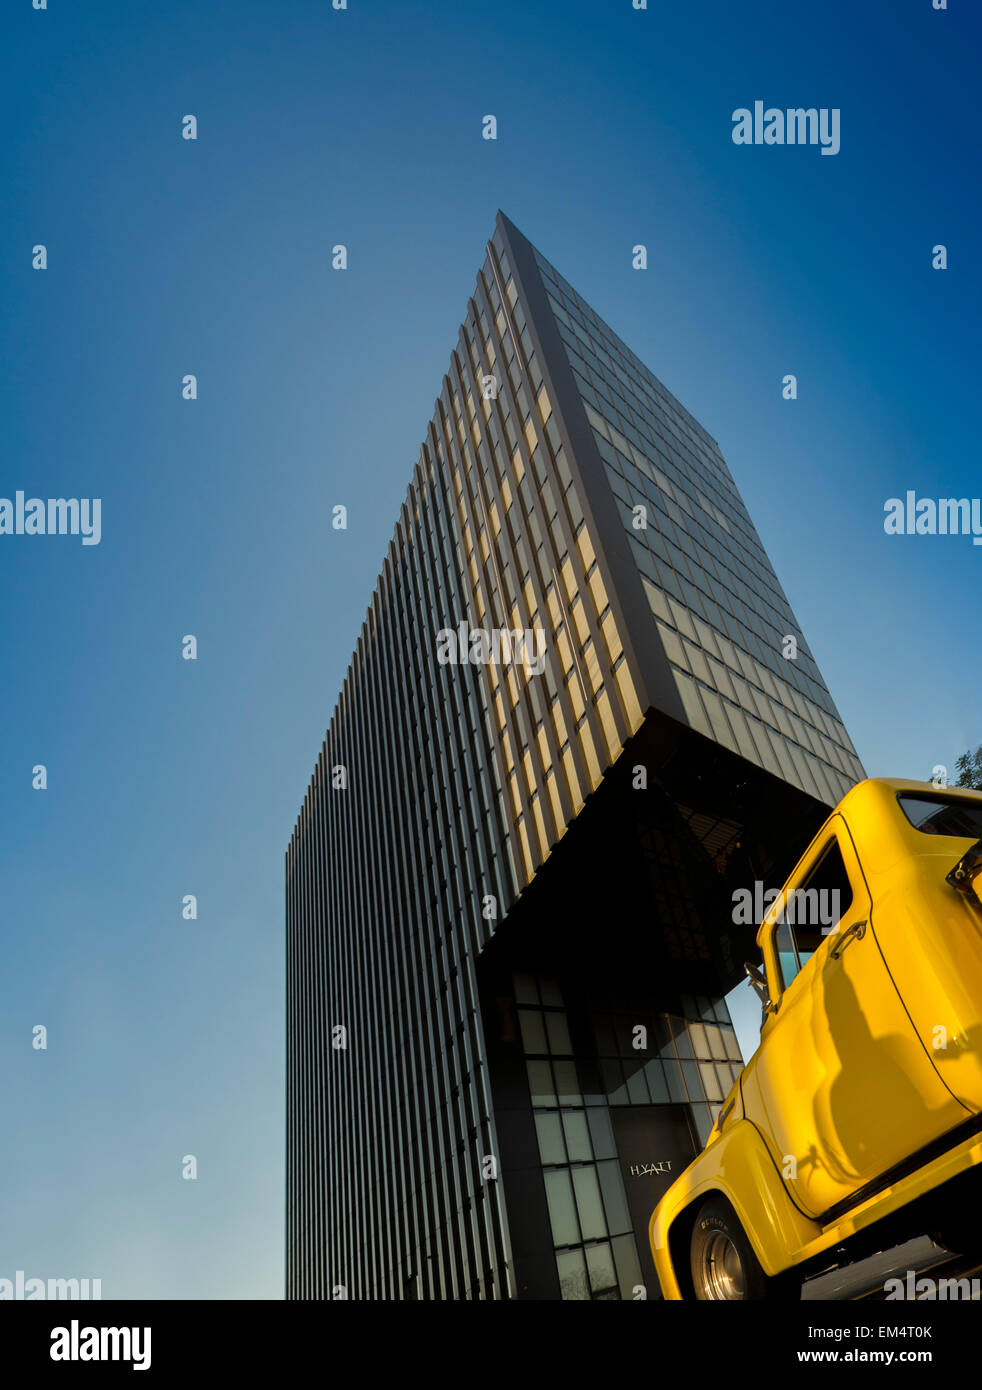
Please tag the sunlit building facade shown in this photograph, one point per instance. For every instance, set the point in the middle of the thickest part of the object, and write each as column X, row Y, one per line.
column 508, row 891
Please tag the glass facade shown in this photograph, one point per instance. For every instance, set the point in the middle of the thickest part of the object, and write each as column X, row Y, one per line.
column 443, row 789
column 644, row 1059
column 721, row 615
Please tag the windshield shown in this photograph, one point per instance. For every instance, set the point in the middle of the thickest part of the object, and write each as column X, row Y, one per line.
column 938, row 815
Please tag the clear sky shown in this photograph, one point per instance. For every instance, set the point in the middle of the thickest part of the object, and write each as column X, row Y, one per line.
column 212, row 257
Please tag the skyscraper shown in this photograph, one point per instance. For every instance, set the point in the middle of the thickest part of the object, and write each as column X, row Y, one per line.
column 579, row 715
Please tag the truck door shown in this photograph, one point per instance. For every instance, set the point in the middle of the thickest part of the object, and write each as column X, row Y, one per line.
column 841, row 1087
column 931, row 935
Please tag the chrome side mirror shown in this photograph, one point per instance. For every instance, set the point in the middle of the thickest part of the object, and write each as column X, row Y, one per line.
column 758, row 984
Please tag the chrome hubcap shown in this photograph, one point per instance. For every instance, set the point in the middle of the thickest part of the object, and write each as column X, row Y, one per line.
column 722, row 1269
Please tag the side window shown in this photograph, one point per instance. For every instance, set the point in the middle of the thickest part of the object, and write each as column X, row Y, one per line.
column 812, row 910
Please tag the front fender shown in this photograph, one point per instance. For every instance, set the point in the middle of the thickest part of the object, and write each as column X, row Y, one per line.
column 738, row 1167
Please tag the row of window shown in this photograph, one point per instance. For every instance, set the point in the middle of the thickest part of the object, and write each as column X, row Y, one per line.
column 719, row 570
column 733, row 705
column 687, row 548
column 596, row 1252
column 656, row 412
column 512, row 539
column 696, row 1062
column 628, row 369
column 642, row 423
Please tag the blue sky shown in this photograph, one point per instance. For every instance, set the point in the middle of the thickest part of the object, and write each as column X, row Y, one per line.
column 213, row 257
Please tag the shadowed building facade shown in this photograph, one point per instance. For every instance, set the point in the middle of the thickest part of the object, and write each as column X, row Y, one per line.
column 509, row 921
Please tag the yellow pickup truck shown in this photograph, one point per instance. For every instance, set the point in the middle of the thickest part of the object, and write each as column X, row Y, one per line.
column 857, row 1123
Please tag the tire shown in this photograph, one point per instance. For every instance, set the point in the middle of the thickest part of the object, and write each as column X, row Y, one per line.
column 722, row 1262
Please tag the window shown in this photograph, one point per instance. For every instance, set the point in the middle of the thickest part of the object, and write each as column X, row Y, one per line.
column 812, row 910
column 943, row 815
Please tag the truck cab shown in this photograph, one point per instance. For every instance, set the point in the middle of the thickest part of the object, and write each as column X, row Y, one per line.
column 862, row 1104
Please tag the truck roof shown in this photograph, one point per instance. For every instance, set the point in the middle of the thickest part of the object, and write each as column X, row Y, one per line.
column 880, row 830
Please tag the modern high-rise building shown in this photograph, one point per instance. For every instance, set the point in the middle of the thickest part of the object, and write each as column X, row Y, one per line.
column 580, row 714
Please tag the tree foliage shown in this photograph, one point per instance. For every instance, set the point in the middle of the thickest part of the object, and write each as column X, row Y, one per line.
column 969, row 767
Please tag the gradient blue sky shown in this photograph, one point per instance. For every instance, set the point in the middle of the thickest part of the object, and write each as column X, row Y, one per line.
column 168, row 257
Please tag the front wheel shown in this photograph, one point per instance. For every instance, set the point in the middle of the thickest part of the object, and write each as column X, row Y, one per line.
column 723, row 1264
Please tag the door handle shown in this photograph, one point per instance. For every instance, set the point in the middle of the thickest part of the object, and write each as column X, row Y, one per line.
column 854, row 933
